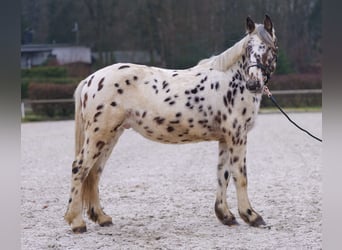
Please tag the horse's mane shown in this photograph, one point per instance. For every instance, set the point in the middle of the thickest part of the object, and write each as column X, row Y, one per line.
column 226, row 59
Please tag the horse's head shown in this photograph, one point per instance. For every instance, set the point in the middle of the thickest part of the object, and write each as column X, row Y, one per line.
column 261, row 53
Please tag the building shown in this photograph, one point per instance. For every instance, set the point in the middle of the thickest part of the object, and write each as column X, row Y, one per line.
column 61, row 54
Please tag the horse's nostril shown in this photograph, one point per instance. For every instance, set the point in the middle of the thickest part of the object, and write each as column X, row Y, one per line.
column 253, row 85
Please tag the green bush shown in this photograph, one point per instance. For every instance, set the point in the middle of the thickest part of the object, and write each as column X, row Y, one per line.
column 283, row 64
column 44, row 72
column 24, row 88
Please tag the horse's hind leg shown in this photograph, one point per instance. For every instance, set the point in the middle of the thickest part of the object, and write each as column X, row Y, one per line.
column 223, row 175
column 94, row 148
column 91, row 186
column 80, row 170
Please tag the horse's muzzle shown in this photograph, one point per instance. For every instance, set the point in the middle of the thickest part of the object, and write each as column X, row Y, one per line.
column 253, row 85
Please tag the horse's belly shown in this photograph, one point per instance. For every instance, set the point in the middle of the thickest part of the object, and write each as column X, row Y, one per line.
column 174, row 133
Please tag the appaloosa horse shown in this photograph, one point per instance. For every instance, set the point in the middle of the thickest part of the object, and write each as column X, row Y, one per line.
column 218, row 99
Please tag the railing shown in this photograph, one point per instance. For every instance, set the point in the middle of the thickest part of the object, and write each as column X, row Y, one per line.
column 274, row 92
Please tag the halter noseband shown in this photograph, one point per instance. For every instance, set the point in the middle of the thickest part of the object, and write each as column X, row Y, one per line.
column 266, row 70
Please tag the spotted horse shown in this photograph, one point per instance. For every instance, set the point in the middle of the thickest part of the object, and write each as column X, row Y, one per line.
column 216, row 100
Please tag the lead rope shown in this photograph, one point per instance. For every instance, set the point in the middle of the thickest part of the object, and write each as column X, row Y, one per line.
column 269, row 94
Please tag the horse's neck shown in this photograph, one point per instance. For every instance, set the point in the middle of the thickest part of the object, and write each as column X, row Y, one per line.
column 228, row 58
column 237, row 68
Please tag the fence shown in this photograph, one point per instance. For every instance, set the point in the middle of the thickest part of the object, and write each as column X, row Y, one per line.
column 24, row 103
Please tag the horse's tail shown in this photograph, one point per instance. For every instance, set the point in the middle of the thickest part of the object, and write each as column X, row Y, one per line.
column 87, row 189
column 79, row 123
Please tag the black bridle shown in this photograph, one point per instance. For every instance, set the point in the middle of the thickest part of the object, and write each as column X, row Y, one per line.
column 255, row 86
column 266, row 70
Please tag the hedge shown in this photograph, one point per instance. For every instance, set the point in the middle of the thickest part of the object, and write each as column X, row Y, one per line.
column 37, row 91
column 25, row 82
column 44, row 72
column 295, row 81
column 292, row 82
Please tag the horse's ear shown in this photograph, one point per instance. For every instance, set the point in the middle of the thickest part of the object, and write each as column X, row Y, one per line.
column 268, row 24
column 250, row 26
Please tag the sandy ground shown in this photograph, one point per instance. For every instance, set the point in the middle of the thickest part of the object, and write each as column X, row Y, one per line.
column 162, row 196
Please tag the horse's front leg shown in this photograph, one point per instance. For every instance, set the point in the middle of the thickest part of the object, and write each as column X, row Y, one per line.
column 238, row 170
column 223, row 175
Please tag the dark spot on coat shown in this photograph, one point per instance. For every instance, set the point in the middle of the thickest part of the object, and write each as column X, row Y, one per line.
column 159, row 120
column 244, row 111
column 96, row 115
column 234, row 92
column 100, row 84
column 124, row 66
column 85, row 100
column 120, row 91
column 99, row 107
column 249, row 212
column 165, row 84
column 91, row 78
column 170, row 129
column 225, row 101
column 178, row 114
column 226, row 175
column 100, row 144
column 75, row 170
column 96, row 155
column 135, row 78
column 95, row 130
column 229, row 96
column 128, row 82
column 204, row 79
column 113, row 104
column 235, row 159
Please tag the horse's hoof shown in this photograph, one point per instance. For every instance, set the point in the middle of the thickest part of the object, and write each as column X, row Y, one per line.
column 258, row 222
column 79, row 230
column 106, row 224
column 229, row 221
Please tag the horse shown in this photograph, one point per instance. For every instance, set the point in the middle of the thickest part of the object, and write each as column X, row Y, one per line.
column 216, row 100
